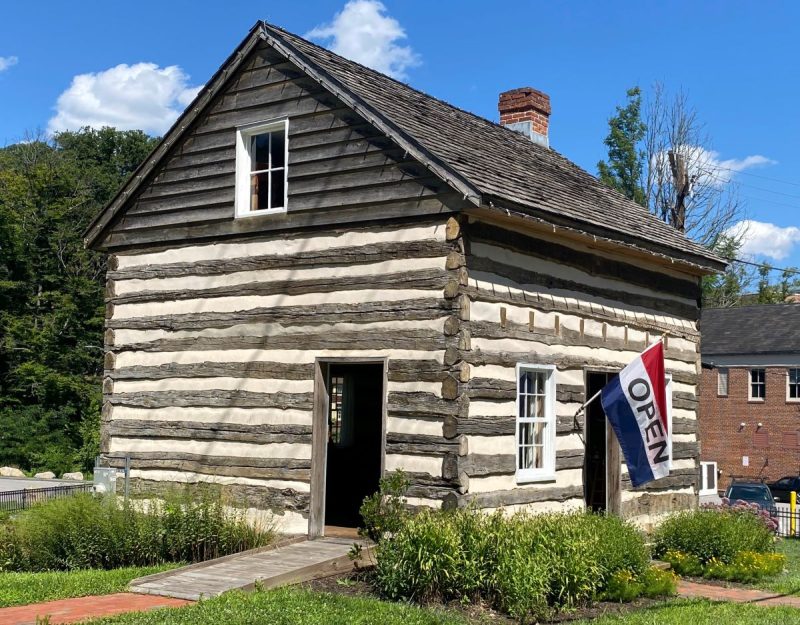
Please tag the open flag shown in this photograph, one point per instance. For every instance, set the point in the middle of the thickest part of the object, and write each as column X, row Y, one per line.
column 636, row 406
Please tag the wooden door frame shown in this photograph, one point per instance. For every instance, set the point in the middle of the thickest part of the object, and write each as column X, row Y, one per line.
column 319, row 434
column 613, row 452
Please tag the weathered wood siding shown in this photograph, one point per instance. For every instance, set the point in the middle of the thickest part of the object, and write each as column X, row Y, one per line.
column 542, row 301
column 341, row 169
column 209, row 370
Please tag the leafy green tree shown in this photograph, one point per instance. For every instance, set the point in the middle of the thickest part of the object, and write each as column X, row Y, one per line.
column 624, row 168
column 51, row 292
column 727, row 289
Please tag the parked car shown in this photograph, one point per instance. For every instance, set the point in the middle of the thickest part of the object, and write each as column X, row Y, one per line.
column 752, row 492
column 782, row 487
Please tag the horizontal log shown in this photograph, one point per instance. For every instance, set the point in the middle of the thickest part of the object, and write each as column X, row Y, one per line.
column 656, row 504
column 202, row 431
column 678, row 478
column 590, row 263
column 429, row 340
column 546, row 303
column 276, row 500
column 416, row 370
column 516, row 496
column 525, row 278
column 422, row 279
column 479, row 357
column 262, row 370
column 567, row 337
column 422, row 405
column 365, row 312
column 684, row 426
column 212, row 398
column 402, row 208
column 479, row 465
column 491, row 388
column 254, row 468
column 352, row 255
column 423, row 444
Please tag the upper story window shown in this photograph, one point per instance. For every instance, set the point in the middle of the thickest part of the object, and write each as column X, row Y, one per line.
column 536, row 423
column 722, row 382
column 261, row 168
column 758, row 384
column 793, row 380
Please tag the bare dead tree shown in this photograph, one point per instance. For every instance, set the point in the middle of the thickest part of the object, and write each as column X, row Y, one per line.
column 684, row 186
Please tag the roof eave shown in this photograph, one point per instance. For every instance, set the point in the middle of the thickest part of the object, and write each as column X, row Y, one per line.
column 704, row 265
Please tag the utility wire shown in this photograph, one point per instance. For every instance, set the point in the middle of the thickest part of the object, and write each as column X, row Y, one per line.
column 747, row 173
column 787, row 270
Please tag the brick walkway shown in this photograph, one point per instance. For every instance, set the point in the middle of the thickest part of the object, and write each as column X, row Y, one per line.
column 84, row 608
column 693, row 590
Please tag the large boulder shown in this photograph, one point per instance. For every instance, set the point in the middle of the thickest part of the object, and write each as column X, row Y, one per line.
column 11, row 472
column 45, row 475
column 76, row 476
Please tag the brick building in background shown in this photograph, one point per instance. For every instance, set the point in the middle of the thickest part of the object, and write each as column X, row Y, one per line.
column 749, row 393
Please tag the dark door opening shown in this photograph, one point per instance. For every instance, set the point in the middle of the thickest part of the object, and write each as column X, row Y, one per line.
column 594, row 464
column 354, row 446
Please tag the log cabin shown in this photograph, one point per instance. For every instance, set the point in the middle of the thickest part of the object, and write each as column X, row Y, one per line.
column 321, row 275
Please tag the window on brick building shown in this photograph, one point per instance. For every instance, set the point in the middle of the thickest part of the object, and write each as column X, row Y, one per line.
column 708, row 473
column 793, row 380
column 758, row 384
column 722, row 381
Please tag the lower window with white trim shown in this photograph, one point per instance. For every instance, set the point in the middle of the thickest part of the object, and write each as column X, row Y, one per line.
column 708, row 478
column 536, row 423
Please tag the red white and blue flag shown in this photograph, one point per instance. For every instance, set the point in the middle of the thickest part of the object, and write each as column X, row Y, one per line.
column 636, row 406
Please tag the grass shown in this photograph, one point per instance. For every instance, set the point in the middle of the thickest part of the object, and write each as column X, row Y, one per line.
column 789, row 582
column 303, row 607
column 27, row 588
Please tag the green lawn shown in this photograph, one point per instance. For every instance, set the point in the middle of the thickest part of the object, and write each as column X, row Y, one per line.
column 303, row 607
column 789, row 582
column 25, row 588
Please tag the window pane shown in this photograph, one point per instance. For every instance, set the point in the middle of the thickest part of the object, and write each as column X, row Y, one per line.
column 711, row 477
column 526, row 433
column 259, row 191
column 538, row 432
column 722, row 382
column 277, row 189
column 260, row 152
column 278, row 149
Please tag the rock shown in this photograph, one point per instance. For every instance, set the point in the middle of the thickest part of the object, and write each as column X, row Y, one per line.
column 77, row 476
column 11, row 472
column 46, row 475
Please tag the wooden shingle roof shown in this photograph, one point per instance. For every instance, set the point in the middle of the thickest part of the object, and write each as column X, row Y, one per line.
column 750, row 330
column 507, row 168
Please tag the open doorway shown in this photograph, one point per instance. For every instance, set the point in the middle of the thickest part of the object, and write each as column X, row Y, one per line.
column 602, row 461
column 349, row 412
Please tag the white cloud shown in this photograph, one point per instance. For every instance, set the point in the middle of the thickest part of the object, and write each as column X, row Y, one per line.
column 761, row 238
column 707, row 168
column 7, row 61
column 363, row 32
column 143, row 96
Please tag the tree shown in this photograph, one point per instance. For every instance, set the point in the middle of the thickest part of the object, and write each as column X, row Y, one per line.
column 623, row 171
column 51, row 292
column 727, row 289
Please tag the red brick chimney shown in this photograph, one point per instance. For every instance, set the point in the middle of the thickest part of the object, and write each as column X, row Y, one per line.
column 527, row 111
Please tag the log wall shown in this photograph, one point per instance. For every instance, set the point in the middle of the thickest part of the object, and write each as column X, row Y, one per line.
column 210, row 362
column 540, row 300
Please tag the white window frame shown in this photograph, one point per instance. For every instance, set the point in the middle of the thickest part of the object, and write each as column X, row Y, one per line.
column 789, row 399
column 547, row 473
column 244, row 159
column 723, row 373
column 750, row 384
column 703, row 473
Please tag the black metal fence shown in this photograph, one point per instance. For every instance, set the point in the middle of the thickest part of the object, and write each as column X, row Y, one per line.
column 14, row 500
column 785, row 526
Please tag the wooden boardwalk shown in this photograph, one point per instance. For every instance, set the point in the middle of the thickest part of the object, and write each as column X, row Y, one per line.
column 289, row 562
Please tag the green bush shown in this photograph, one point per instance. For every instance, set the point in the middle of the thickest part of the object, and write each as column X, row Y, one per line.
column 683, row 563
column 87, row 531
column 384, row 512
column 746, row 566
column 719, row 534
column 527, row 566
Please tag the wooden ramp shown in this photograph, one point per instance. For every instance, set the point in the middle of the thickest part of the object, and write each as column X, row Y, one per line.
column 288, row 562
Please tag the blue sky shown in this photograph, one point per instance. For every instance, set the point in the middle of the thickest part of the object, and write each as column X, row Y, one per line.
column 137, row 64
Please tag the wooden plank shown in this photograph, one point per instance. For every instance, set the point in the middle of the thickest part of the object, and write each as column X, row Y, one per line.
column 319, row 449
column 203, row 431
column 224, row 398
column 255, row 468
column 516, row 496
column 262, row 370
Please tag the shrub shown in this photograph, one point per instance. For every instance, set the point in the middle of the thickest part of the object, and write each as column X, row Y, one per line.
column 658, row 583
column 714, row 533
column 384, row 512
column 86, row 531
column 527, row 566
column 746, row 566
column 683, row 563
